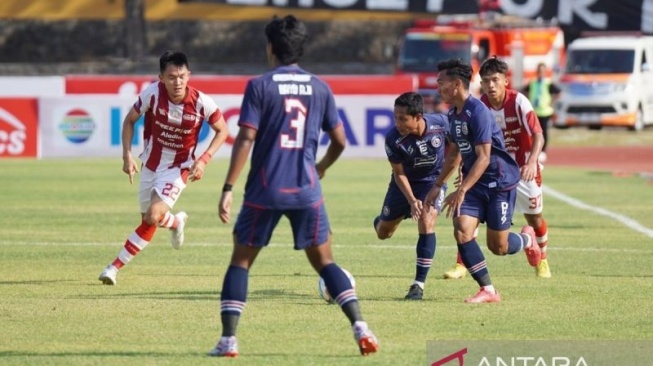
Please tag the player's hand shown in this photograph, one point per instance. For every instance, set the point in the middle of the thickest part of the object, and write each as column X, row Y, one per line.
column 416, row 208
column 433, row 194
column 528, row 172
column 224, row 208
column 320, row 171
column 453, row 202
column 129, row 167
column 197, row 170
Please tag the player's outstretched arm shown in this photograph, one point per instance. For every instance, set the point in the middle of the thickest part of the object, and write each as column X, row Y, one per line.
column 335, row 149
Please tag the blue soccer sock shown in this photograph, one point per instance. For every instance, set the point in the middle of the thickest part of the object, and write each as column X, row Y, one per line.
column 474, row 260
column 341, row 291
column 376, row 221
column 425, row 251
column 233, row 298
column 516, row 243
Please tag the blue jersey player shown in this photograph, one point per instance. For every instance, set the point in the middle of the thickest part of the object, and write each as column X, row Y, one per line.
column 488, row 191
column 415, row 150
column 282, row 115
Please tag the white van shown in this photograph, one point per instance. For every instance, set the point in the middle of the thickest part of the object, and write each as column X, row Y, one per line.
column 607, row 81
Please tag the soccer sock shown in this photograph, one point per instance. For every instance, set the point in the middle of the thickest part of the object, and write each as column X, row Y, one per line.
column 169, row 220
column 425, row 251
column 459, row 259
column 340, row 288
column 376, row 221
column 233, row 298
column 474, row 260
column 136, row 242
column 542, row 234
column 516, row 242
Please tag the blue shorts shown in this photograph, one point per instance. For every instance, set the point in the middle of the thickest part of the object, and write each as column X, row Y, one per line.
column 310, row 226
column 495, row 208
column 396, row 205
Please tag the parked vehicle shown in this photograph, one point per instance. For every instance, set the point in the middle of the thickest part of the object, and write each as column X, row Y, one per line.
column 607, row 81
column 522, row 43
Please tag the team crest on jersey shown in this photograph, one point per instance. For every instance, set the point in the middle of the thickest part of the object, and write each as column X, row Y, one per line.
column 469, row 113
column 436, row 141
column 386, row 210
column 162, row 111
column 464, row 128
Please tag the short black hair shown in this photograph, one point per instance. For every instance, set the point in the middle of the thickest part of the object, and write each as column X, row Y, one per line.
column 457, row 69
column 176, row 58
column 412, row 101
column 492, row 66
column 287, row 37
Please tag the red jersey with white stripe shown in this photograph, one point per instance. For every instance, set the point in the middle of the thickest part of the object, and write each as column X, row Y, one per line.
column 171, row 131
column 518, row 123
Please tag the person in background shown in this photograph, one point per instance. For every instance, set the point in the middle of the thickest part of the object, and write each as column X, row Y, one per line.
column 433, row 103
column 543, row 93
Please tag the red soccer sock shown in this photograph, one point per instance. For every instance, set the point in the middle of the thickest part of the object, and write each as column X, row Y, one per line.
column 542, row 233
column 136, row 242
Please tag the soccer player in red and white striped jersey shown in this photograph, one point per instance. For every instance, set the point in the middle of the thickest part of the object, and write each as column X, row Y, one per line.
column 173, row 115
column 524, row 139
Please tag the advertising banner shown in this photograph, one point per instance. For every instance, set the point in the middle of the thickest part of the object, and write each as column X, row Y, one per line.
column 86, row 126
column 19, row 133
column 340, row 84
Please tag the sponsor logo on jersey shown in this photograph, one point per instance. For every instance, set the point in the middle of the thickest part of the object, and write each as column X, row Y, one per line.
column 190, row 117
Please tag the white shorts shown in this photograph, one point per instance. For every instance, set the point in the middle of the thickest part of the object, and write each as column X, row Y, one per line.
column 167, row 184
column 529, row 198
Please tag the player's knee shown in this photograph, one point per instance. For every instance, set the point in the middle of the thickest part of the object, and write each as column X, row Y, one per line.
column 151, row 218
column 497, row 248
column 383, row 234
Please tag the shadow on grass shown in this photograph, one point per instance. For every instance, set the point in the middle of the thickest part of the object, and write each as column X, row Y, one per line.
column 34, row 282
column 7, row 354
column 197, row 295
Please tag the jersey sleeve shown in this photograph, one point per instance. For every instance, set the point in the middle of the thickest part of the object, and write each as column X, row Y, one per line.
column 482, row 125
column 212, row 112
column 331, row 118
column 527, row 115
column 391, row 151
column 250, row 109
column 146, row 98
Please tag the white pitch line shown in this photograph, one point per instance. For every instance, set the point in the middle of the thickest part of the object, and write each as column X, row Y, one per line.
column 339, row 246
column 625, row 220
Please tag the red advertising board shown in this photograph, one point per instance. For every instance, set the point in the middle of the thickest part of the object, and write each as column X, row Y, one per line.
column 18, row 127
column 340, row 84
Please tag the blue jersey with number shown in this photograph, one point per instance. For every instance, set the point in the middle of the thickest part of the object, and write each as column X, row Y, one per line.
column 420, row 156
column 288, row 107
column 475, row 125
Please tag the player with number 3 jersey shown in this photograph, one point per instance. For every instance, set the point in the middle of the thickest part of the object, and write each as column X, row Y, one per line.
column 281, row 117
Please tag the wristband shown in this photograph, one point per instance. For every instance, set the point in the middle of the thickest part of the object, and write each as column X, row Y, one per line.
column 227, row 187
column 205, row 157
